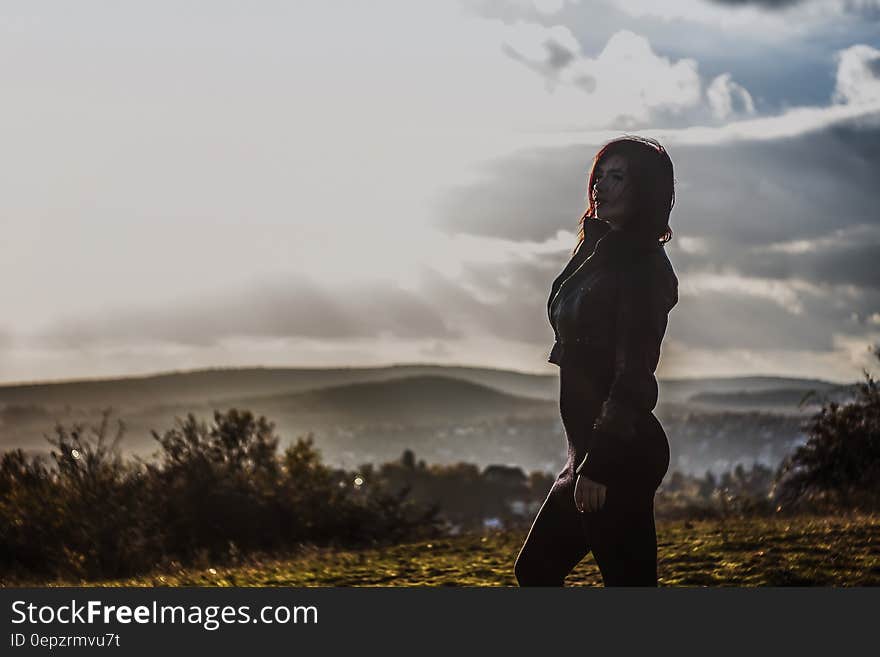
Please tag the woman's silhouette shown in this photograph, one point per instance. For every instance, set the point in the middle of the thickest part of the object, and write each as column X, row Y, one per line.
column 608, row 308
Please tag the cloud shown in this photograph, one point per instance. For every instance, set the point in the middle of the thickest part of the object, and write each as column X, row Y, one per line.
column 742, row 193
column 849, row 265
column 868, row 9
column 843, row 363
column 726, row 97
column 858, row 75
column 776, row 240
column 734, row 319
column 547, row 51
column 763, row 4
column 627, row 81
column 7, row 339
column 290, row 145
column 549, row 6
column 279, row 308
column 498, row 290
column 530, row 195
column 785, row 294
column 785, row 17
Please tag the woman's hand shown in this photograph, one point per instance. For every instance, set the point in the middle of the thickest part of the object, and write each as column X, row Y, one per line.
column 589, row 495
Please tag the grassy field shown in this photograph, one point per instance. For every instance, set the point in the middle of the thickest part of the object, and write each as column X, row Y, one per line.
column 806, row 550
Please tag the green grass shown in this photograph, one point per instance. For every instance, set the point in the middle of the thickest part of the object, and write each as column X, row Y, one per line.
column 805, row 550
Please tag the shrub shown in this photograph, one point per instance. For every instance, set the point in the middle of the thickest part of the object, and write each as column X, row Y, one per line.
column 213, row 491
column 840, row 463
column 83, row 516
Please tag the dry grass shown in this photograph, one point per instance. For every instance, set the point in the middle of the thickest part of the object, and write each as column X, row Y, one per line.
column 841, row 550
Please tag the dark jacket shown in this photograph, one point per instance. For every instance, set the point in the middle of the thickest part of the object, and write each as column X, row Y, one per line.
column 608, row 309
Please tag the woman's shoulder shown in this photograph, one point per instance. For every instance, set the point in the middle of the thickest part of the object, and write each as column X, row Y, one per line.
column 652, row 263
column 655, row 275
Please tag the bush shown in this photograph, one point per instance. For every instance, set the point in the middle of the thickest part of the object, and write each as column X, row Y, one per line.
column 213, row 485
column 839, row 466
column 213, row 491
column 82, row 516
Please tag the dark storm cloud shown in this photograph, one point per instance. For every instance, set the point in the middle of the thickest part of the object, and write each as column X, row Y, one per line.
column 743, row 202
column 865, row 10
column 277, row 309
column 752, row 193
column 719, row 320
column 737, row 195
column 841, row 264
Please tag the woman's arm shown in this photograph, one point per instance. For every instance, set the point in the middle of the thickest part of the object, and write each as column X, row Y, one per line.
column 647, row 294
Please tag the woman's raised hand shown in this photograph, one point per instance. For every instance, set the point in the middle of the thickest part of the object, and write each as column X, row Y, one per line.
column 589, row 495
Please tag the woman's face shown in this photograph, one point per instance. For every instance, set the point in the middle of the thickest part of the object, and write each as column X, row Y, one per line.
column 612, row 191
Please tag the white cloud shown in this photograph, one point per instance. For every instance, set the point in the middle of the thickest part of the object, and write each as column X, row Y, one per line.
column 631, row 75
column 791, row 123
column 850, row 236
column 726, row 97
column 856, row 98
column 694, row 245
column 843, row 363
column 858, row 75
column 786, row 293
column 627, row 80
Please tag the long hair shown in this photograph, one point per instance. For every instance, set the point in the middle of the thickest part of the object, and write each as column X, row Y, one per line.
column 651, row 174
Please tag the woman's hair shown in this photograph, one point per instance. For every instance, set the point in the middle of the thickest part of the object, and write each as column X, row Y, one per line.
column 650, row 174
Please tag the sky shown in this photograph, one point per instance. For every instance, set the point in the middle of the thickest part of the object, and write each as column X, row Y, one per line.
column 338, row 183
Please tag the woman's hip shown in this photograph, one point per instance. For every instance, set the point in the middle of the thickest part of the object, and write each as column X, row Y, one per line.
column 640, row 461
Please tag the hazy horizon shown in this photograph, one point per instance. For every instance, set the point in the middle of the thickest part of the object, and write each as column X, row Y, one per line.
column 155, row 373
column 190, row 185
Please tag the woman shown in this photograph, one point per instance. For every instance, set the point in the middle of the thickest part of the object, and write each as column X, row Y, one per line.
column 608, row 309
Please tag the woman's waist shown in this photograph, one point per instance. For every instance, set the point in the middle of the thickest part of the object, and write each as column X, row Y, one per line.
column 582, row 390
column 585, row 367
column 582, row 354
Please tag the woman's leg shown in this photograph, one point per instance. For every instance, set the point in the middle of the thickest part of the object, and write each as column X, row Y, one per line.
column 624, row 539
column 555, row 543
column 622, row 534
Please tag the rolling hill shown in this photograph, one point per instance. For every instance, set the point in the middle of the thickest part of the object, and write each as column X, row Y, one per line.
column 445, row 414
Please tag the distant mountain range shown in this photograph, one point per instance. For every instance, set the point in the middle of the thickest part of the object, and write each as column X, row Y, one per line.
column 242, row 383
column 779, row 398
column 363, row 414
column 411, row 400
column 226, row 383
